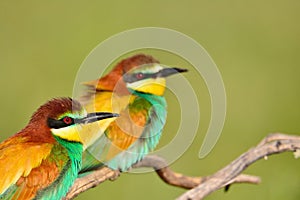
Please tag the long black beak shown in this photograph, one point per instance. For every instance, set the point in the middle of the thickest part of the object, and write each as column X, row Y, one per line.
column 93, row 117
column 170, row 71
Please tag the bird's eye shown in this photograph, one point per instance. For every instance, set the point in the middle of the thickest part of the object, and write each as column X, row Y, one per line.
column 139, row 75
column 67, row 120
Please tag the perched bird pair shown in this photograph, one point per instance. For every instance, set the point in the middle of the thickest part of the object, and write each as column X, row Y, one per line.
column 50, row 147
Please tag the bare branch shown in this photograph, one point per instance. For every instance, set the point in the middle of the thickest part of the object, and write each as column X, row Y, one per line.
column 199, row 186
column 183, row 181
column 272, row 144
column 91, row 180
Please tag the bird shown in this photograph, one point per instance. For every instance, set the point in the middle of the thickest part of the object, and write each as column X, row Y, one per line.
column 42, row 160
column 134, row 88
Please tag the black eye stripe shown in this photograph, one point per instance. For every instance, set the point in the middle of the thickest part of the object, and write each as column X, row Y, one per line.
column 130, row 78
column 53, row 123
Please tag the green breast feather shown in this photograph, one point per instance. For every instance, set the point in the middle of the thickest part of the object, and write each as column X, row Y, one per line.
column 68, row 153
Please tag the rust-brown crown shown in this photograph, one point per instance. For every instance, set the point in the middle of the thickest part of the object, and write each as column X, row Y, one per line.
column 109, row 81
column 37, row 129
column 55, row 108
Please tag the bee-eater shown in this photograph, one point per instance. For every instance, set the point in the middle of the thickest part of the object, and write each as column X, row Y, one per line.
column 135, row 89
column 42, row 160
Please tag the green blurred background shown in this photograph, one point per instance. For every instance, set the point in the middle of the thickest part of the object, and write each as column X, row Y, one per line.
column 255, row 44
